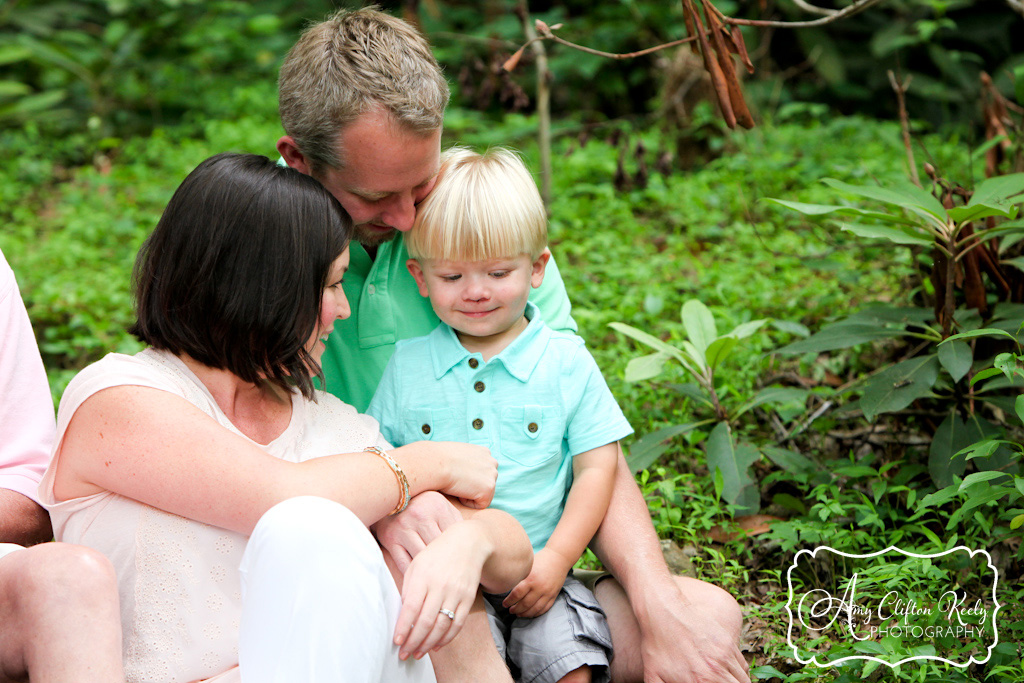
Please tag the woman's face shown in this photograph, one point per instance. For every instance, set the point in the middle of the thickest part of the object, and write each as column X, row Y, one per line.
column 333, row 306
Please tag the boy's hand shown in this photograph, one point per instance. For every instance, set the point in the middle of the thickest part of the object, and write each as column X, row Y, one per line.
column 537, row 592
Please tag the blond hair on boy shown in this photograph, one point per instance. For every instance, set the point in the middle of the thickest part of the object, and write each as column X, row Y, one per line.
column 484, row 206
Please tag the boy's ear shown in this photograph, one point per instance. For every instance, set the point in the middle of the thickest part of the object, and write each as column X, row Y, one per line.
column 417, row 274
column 539, row 265
column 292, row 155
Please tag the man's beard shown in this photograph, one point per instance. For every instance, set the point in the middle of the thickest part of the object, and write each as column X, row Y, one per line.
column 373, row 238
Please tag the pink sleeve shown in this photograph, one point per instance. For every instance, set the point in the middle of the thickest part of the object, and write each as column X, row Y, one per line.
column 26, row 408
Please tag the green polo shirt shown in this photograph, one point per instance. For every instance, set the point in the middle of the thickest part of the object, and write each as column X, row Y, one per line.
column 387, row 307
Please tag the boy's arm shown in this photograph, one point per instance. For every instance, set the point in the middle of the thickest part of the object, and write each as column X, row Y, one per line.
column 593, row 479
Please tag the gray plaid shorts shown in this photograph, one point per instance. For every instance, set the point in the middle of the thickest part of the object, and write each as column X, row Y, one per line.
column 573, row 633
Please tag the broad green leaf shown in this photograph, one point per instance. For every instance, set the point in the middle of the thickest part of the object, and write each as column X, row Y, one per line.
column 1016, row 522
column 1018, row 407
column 825, row 209
column 856, row 471
column 646, row 450
column 648, row 339
column 975, row 477
column 994, row 493
column 975, row 212
column 733, row 461
column 790, row 460
column 985, row 374
column 952, row 436
column 1008, row 311
column 744, row 330
column 898, row 386
column 940, row 497
column 773, row 395
column 13, row 89
column 693, row 392
column 791, row 327
column 13, row 53
column 906, row 195
column 719, row 350
column 841, row 336
column 880, row 313
column 956, row 357
column 1017, row 263
column 699, row 324
column 998, row 189
column 696, row 356
column 983, row 332
column 980, row 150
column 899, row 236
column 1001, row 458
column 645, row 367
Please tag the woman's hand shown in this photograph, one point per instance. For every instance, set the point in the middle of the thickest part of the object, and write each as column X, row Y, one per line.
column 472, row 473
column 444, row 575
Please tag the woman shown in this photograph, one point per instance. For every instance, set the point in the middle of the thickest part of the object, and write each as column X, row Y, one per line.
column 210, row 451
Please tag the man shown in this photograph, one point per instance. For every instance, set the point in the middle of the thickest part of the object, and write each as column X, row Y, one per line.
column 59, row 617
column 362, row 102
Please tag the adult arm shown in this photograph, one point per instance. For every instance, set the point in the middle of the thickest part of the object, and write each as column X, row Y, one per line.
column 157, row 448
column 679, row 643
column 26, row 421
column 487, row 548
column 585, row 507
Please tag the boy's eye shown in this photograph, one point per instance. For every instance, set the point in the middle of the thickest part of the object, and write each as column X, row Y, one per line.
column 499, row 273
column 450, row 278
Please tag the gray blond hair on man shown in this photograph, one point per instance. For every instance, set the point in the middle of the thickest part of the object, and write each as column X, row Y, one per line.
column 351, row 63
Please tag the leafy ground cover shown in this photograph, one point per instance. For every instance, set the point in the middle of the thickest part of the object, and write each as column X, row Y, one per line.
column 635, row 256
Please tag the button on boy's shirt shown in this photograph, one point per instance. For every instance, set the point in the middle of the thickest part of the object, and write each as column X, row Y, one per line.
column 387, row 307
column 535, row 405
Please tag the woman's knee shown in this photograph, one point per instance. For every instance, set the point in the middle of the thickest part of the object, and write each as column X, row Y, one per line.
column 308, row 525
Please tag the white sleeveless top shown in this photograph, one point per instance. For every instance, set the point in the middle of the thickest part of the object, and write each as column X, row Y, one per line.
column 178, row 579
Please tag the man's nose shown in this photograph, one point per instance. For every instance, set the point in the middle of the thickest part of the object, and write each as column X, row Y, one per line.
column 400, row 212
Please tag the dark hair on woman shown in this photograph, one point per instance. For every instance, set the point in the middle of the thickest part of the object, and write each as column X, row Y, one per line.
column 235, row 270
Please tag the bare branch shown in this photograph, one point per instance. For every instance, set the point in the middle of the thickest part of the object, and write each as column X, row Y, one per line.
column 901, row 91
column 814, row 10
column 857, row 7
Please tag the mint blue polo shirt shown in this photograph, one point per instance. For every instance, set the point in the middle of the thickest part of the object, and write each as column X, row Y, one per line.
column 387, row 307
column 536, row 404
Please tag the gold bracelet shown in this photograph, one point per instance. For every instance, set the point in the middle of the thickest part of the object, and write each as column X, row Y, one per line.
column 403, row 481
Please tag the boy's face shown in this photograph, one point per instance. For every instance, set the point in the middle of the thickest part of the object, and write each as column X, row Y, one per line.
column 481, row 299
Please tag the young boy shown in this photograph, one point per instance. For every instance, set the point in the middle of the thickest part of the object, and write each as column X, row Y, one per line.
column 492, row 373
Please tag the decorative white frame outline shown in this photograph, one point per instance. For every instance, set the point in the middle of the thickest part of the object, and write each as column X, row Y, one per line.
column 814, row 659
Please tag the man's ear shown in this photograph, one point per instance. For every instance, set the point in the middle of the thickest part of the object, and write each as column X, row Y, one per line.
column 417, row 274
column 537, row 276
column 292, row 155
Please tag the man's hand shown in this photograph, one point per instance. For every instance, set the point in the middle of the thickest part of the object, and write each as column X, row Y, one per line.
column 537, row 592
column 406, row 534
column 671, row 628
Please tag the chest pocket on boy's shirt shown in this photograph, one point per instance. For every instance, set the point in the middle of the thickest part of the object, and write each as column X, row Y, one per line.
column 532, row 435
column 429, row 424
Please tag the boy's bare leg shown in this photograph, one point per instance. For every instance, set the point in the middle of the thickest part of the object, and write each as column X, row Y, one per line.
column 59, row 616
column 472, row 656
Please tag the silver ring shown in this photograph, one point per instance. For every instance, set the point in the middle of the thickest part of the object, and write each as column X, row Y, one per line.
column 448, row 613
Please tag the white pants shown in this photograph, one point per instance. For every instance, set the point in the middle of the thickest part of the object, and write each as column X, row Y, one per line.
column 318, row 602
